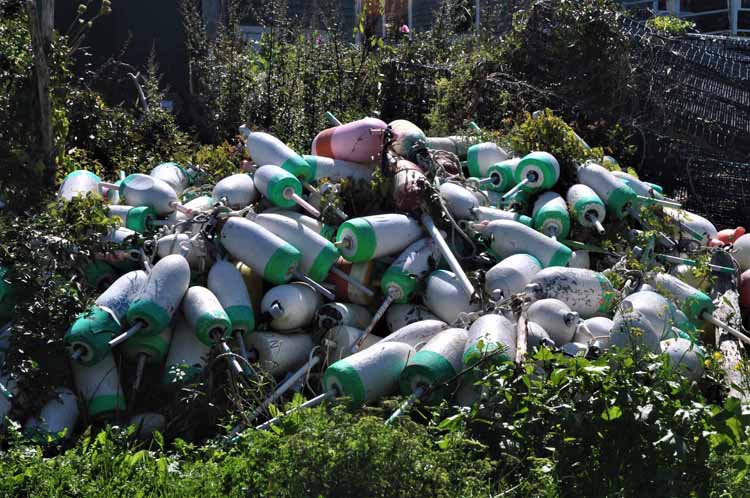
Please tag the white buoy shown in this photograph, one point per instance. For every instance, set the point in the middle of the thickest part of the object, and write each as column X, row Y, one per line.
column 173, row 174
column 143, row 190
column 490, row 335
column 318, row 255
column 692, row 226
column 741, row 251
column 417, row 334
column 238, row 191
column 459, row 201
column 615, row 194
column 631, row 328
column 99, row 387
column 80, row 182
column 401, row 315
column 580, row 259
column 684, row 357
column 511, row 275
column 510, row 237
column 657, row 309
column 551, row 215
column 446, row 297
column 192, row 247
column 484, row 213
column 556, row 318
column 369, row 374
column 291, row 306
column 575, row 349
column 371, row 237
column 536, row 336
column 162, row 294
column 587, row 208
column 147, row 424
column 279, row 353
column 205, row 315
column 227, row 284
column 337, row 169
column 586, row 292
column 328, row 232
column 267, row 254
column 181, row 221
column 139, row 219
column 342, row 341
column 479, row 158
column 187, row 355
column 57, row 418
column 332, row 315
column 535, row 172
column 595, row 330
column 267, row 149
column 407, row 138
column 282, row 188
column 438, row 362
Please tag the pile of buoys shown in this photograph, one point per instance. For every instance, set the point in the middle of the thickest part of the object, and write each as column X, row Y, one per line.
column 484, row 262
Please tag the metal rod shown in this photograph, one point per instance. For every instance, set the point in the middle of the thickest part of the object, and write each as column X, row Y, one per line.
column 288, row 384
column 352, row 281
column 232, row 361
column 406, row 406
column 289, row 193
column 514, row 190
column 659, row 202
column 140, row 367
column 315, row 285
column 127, row 334
column 447, row 253
column 333, row 120
column 307, row 404
column 375, row 319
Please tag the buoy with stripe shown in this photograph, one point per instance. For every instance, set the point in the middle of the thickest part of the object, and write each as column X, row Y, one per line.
column 507, row 238
column 551, row 215
column 333, row 315
column 225, row 281
column 616, row 195
column 79, row 183
column 361, row 272
column 360, row 141
column 160, row 298
column 139, row 219
column 88, row 338
column 146, row 350
column 328, row 232
column 401, row 315
column 291, row 306
column 99, row 387
column 535, row 172
column 237, row 190
column 692, row 226
column 371, row 237
column 511, row 275
column 265, row 149
column 438, row 362
column 279, row 353
column 459, row 201
column 587, row 208
column 267, row 254
column 337, row 169
column 446, row 297
column 417, row 334
column 501, row 176
column 556, row 318
column 586, row 292
column 481, row 156
column 407, row 138
column 282, row 188
column 56, row 419
column 486, row 213
column 369, row 374
column 173, row 174
column 144, row 190
column 187, row 355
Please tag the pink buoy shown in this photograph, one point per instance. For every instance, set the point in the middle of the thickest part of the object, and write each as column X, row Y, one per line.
column 359, row 141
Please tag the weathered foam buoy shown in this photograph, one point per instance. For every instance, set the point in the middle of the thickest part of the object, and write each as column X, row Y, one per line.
column 485, row 213
column 318, row 255
column 741, row 252
column 162, row 294
column 458, row 145
column 551, row 215
column 501, row 176
column 279, row 353
column 191, row 247
column 237, row 190
column 586, row 292
column 401, row 315
column 631, row 328
column 657, row 309
column 727, row 236
column 147, row 350
column 459, row 201
column 57, row 417
column 370, row 237
column 615, row 194
column 88, row 338
column 641, row 188
column 187, row 355
column 360, row 141
column 267, row 254
column 147, row 424
column 402, row 276
column 99, row 387
column 587, row 208
column 409, row 186
column 556, row 318
column 333, row 315
column 510, row 237
column 436, row 363
column 536, row 336
column 446, row 297
column 417, row 334
column 80, row 182
column 406, row 138
column 481, row 156
column 490, row 335
column 282, row 188
column 692, row 225
column 580, row 259
column 596, row 330
column 328, row 232
column 290, row 306
column 139, row 219
column 174, row 175
column 338, row 169
column 347, row 292
column 225, row 281
column 265, row 149
column 511, row 275
column 182, row 222
column 535, row 172
column 369, row 374
column 143, row 190
column 684, row 357
column 342, row 341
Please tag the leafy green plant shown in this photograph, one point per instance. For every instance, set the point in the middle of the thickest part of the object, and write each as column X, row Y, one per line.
column 671, row 25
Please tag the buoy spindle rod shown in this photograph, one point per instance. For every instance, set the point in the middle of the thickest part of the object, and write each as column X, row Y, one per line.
column 375, row 319
column 288, row 384
column 352, row 281
column 447, row 253
column 718, row 323
column 315, row 285
column 515, row 189
column 307, row 404
column 659, row 202
column 126, row 335
column 332, row 119
column 406, row 406
column 290, row 194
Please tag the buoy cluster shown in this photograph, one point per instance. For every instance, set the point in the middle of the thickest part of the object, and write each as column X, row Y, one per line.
column 485, row 256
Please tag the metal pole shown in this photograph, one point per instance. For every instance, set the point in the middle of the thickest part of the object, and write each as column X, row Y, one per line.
column 477, row 17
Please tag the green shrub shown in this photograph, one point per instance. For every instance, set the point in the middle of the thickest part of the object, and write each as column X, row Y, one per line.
column 671, row 25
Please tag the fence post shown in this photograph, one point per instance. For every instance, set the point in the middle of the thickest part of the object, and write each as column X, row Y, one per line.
column 734, row 12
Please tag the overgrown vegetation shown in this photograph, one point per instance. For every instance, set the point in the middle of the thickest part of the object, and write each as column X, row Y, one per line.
column 626, row 425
